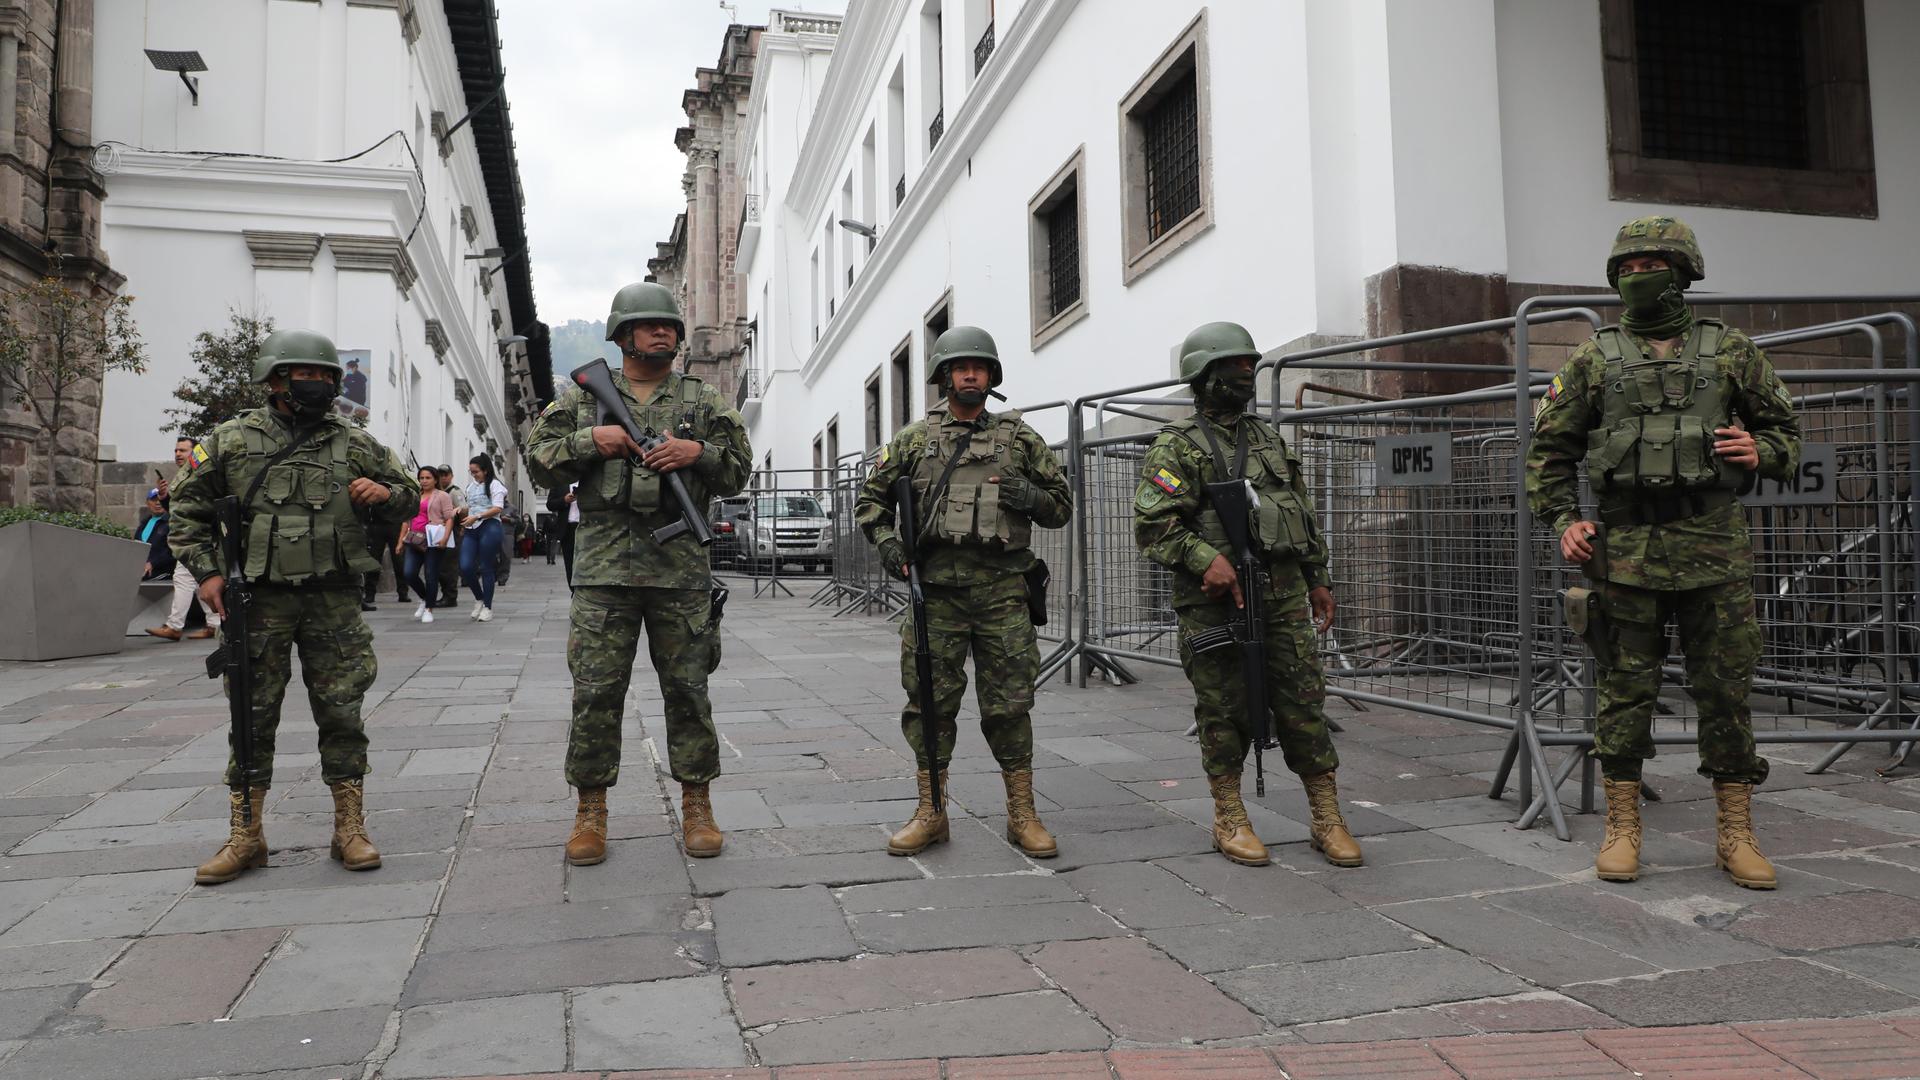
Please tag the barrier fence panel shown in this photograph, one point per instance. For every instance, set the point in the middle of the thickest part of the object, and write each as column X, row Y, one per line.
column 778, row 532
column 1450, row 596
column 858, row 583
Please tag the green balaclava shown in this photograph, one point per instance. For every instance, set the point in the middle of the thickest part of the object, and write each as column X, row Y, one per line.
column 1225, row 389
column 1654, row 308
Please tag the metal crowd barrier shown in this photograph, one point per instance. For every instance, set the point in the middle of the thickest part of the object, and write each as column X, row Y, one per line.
column 1449, row 595
column 783, row 529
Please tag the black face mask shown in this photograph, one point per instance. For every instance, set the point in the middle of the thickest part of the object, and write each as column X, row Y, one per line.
column 970, row 397
column 309, row 399
column 1230, row 390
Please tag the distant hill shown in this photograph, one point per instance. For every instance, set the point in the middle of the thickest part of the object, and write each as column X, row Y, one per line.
column 580, row 341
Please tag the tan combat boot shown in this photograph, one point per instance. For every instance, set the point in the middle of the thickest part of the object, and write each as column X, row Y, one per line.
column 588, row 844
column 1739, row 853
column 1232, row 832
column 1023, row 821
column 1619, row 855
column 698, row 834
column 928, row 825
column 246, row 846
column 351, row 847
column 1330, row 835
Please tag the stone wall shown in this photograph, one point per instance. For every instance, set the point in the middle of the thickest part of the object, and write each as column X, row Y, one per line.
column 123, row 487
column 49, row 223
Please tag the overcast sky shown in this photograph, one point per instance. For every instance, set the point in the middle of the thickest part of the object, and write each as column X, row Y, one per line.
column 595, row 100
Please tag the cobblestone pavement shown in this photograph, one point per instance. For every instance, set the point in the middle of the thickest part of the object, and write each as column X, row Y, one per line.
column 1462, row 947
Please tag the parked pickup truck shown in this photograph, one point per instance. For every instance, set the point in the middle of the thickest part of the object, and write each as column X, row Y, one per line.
column 753, row 532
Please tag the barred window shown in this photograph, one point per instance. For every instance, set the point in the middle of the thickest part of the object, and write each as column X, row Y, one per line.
column 1740, row 100
column 1750, row 104
column 1165, row 193
column 1172, row 150
column 1058, row 258
column 1063, row 253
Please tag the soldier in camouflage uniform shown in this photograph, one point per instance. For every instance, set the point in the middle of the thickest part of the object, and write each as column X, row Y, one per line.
column 300, row 471
column 1176, row 525
column 973, row 557
column 624, row 579
column 1651, row 405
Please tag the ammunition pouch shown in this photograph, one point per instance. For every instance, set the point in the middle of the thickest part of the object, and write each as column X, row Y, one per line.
column 1586, row 612
column 1213, row 637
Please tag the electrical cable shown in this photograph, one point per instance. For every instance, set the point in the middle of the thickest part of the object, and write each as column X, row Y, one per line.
column 204, row 156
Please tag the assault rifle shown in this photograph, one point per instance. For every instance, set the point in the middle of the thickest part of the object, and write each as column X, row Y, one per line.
column 908, row 526
column 234, row 657
column 597, row 379
column 1234, row 501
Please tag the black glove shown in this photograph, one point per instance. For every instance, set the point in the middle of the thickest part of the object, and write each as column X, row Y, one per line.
column 893, row 556
column 1017, row 493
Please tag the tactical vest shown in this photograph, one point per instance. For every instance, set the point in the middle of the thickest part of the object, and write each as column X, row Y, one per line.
column 625, row 484
column 301, row 524
column 1283, row 524
column 969, row 512
column 1657, row 417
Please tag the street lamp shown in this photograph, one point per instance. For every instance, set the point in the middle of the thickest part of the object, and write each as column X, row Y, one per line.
column 180, row 61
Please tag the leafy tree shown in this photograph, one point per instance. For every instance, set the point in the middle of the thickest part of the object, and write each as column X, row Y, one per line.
column 57, row 337
column 221, row 386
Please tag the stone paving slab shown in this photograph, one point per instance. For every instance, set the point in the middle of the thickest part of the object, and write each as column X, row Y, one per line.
column 476, row 949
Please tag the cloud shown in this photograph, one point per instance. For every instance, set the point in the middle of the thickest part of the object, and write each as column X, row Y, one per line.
column 595, row 100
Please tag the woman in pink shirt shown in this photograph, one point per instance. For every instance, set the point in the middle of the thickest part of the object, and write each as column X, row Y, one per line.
column 428, row 534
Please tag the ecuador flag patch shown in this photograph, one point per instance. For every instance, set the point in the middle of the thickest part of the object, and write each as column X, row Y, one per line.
column 1168, row 482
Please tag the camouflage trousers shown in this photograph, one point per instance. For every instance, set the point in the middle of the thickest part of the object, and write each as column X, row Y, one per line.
column 684, row 646
column 1721, row 639
column 336, row 663
column 1296, row 692
column 992, row 623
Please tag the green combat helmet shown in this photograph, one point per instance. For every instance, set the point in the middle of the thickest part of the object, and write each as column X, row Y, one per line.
column 1658, row 235
column 648, row 300
column 1214, row 341
column 286, row 347
column 961, row 343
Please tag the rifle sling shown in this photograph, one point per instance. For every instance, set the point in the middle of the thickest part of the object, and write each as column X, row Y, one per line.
column 939, row 489
column 1239, row 469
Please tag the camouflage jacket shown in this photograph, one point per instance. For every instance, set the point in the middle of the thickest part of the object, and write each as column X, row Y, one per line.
column 962, row 564
column 1169, row 502
column 237, row 451
column 620, row 502
column 1691, row 553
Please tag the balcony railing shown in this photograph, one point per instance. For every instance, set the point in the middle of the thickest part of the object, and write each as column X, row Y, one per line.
column 900, row 191
column 983, row 49
column 792, row 22
column 936, row 129
column 749, row 387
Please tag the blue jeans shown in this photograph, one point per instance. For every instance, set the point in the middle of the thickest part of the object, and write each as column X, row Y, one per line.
column 478, row 549
column 423, row 571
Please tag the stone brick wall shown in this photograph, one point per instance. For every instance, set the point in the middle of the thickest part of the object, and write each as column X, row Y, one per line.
column 123, row 487
column 50, row 222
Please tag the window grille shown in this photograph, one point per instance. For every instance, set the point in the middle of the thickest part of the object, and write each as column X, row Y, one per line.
column 983, row 49
column 900, row 191
column 1723, row 81
column 1171, row 145
column 1063, row 252
column 936, row 129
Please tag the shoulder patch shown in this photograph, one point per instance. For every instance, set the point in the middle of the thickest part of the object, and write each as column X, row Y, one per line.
column 886, row 455
column 1554, row 388
column 198, row 457
column 552, row 407
column 1166, row 481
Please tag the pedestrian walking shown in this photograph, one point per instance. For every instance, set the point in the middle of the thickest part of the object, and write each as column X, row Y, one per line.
column 450, row 567
column 626, row 580
column 153, row 533
column 187, row 455
column 982, row 481
column 480, row 546
column 426, row 540
column 1670, row 414
column 298, row 470
column 1178, row 525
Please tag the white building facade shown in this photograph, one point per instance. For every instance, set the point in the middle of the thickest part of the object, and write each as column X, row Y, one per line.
column 1088, row 181
column 319, row 181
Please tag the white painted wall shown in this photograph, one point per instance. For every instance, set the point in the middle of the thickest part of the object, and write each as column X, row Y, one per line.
column 305, row 81
column 1348, row 136
column 1559, row 220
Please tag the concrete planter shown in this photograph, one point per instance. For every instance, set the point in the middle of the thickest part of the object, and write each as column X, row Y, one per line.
column 69, row 592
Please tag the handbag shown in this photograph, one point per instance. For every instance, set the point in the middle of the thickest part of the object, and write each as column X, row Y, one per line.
column 416, row 540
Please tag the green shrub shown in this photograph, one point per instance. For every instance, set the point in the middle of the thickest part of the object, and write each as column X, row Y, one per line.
column 11, row 515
